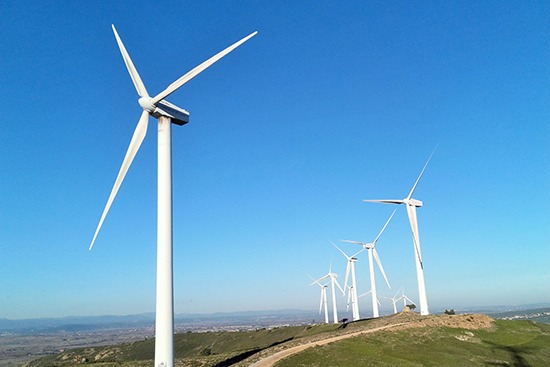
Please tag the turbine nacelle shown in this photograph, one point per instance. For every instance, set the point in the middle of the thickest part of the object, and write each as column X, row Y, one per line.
column 178, row 115
column 164, row 108
column 413, row 202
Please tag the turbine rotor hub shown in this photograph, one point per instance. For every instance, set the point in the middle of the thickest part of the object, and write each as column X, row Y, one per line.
column 147, row 104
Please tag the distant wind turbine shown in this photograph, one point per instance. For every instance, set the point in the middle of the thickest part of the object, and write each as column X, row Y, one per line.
column 351, row 269
column 323, row 300
column 394, row 300
column 405, row 299
column 333, row 284
column 166, row 113
column 411, row 205
column 371, row 250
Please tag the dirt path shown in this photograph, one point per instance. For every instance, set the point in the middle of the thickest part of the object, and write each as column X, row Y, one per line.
column 274, row 358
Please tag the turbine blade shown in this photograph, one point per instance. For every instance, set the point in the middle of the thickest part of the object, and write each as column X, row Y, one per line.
column 364, row 294
column 397, row 293
column 347, row 275
column 375, row 253
column 339, row 287
column 421, row 173
column 385, row 225
column 198, row 69
column 322, row 278
column 140, row 87
column 357, row 253
column 385, row 201
column 135, row 143
column 354, row 242
column 314, row 280
column 343, row 253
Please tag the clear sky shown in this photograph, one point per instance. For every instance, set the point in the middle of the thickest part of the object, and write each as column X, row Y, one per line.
column 331, row 103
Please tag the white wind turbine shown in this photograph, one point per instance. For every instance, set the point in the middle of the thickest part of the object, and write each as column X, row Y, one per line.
column 411, row 205
column 351, row 269
column 371, row 250
column 323, row 300
column 333, row 282
column 405, row 299
column 166, row 113
column 394, row 300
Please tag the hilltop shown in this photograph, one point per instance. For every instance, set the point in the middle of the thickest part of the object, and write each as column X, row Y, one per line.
column 400, row 338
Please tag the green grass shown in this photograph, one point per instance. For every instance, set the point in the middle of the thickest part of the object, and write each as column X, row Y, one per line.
column 197, row 349
column 507, row 343
column 510, row 343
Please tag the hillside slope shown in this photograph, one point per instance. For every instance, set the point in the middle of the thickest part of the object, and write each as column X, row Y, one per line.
column 466, row 340
column 409, row 340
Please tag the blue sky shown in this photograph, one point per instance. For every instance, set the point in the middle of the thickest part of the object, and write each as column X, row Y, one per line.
column 329, row 104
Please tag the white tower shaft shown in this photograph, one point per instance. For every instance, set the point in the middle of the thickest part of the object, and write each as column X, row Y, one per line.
column 355, row 304
column 164, row 323
column 423, row 299
column 325, row 304
column 334, row 309
column 375, row 312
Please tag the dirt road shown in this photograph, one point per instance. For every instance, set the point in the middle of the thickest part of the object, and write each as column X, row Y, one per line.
column 274, row 358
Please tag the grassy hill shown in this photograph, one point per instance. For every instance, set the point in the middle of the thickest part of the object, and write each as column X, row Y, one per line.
column 194, row 349
column 435, row 340
column 506, row 343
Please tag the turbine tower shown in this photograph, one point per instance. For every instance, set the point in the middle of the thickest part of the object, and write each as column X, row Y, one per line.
column 166, row 113
column 411, row 205
column 371, row 250
column 333, row 282
column 351, row 269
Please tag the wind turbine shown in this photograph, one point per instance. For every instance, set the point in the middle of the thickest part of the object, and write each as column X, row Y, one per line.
column 411, row 205
column 166, row 113
column 394, row 300
column 371, row 250
column 351, row 269
column 323, row 300
column 333, row 282
column 405, row 299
